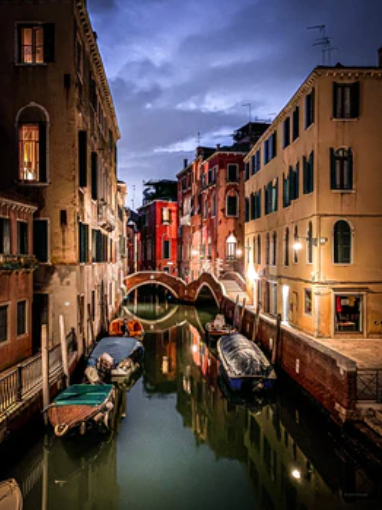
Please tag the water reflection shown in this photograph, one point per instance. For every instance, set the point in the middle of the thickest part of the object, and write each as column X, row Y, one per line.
column 188, row 442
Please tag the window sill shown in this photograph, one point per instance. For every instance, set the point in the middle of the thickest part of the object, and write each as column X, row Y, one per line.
column 33, row 183
column 349, row 191
column 345, row 119
column 31, row 64
column 308, row 127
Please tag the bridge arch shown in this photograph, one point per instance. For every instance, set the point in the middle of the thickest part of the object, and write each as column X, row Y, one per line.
column 207, row 286
column 142, row 284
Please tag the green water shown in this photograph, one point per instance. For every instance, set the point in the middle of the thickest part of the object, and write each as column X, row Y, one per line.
column 178, row 443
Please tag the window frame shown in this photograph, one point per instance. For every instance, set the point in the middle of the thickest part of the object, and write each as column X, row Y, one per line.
column 232, row 193
column 26, row 325
column 7, row 305
column 306, row 311
column 20, row 221
column 228, row 177
column 2, row 243
column 337, row 159
column 351, row 241
column 164, row 240
column 48, row 242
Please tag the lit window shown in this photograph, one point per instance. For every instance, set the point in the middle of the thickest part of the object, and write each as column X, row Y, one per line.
column 29, row 152
column 231, row 247
column 308, row 301
column 166, row 215
column 32, row 45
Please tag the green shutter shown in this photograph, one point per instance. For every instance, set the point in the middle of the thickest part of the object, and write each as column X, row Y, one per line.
column 82, row 158
column 332, row 169
column 350, row 157
column 311, row 172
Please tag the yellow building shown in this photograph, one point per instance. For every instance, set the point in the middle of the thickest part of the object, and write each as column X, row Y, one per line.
column 313, row 230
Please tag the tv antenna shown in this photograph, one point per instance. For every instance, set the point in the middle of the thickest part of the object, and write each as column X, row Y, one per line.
column 249, row 110
column 198, row 138
column 133, row 197
column 324, row 41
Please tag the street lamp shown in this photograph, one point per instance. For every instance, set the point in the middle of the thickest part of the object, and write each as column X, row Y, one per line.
column 297, row 245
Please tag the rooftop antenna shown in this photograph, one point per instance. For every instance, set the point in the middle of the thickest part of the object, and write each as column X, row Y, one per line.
column 198, row 139
column 249, row 110
column 133, row 197
column 324, row 41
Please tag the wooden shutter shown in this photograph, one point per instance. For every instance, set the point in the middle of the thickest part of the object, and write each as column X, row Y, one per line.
column 304, row 170
column 296, row 184
column 355, row 99
column 82, row 158
column 42, row 152
column 335, row 94
column 311, row 172
column 94, row 176
column 333, row 184
column 49, row 42
column 40, row 240
column 350, row 163
column 274, row 136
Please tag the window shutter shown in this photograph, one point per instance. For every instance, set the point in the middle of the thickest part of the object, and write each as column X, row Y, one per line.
column 296, row 191
column 40, row 240
column 335, row 94
column 259, row 203
column 284, row 191
column 82, row 158
column 94, row 176
column 42, row 152
column 49, row 42
column 311, row 172
column 277, row 194
column 350, row 161
column 19, row 44
column 304, row 171
column 259, row 160
column 355, row 99
column 274, row 144
column 332, row 169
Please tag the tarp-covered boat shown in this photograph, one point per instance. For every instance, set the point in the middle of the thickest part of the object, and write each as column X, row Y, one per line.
column 114, row 358
column 123, row 327
column 244, row 364
column 81, row 405
column 11, row 497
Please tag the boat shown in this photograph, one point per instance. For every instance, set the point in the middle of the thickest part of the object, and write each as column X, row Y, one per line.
column 11, row 497
column 81, row 406
column 218, row 328
column 123, row 327
column 244, row 365
column 114, row 359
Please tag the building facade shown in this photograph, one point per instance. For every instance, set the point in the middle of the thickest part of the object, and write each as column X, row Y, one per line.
column 17, row 264
column 313, row 213
column 60, row 133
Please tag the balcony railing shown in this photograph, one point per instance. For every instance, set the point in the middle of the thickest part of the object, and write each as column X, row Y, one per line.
column 15, row 262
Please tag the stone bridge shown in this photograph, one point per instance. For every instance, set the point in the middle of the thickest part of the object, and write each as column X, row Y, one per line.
column 185, row 292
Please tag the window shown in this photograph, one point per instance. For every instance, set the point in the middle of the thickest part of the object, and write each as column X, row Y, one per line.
column 84, row 242
column 166, row 248
column 254, row 260
column 286, row 188
column 341, row 169
column 21, row 318
column 286, row 247
column 309, row 243
column 342, row 242
column 308, row 173
column 94, row 162
column 309, row 109
column 40, row 240
column 256, row 161
column 204, row 206
column 213, row 204
column 231, row 243
column 247, row 209
column 348, row 312
column 295, row 241
column 274, row 249
column 308, row 301
column 35, row 43
column 272, row 146
column 246, row 171
column 232, row 173
column 266, row 151
column 286, row 132
column 82, row 158
column 5, row 236
column 259, row 249
column 166, row 216
column 3, row 323
column 296, row 123
column 345, row 100
column 267, row 249
column 271, row 196
column 271, row 298
column 22, row 237
column 232, row 202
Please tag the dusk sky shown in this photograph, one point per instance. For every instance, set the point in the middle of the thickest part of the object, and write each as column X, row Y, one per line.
column 179, row 67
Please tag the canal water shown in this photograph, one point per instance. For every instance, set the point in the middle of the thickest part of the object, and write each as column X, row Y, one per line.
column 181, row 441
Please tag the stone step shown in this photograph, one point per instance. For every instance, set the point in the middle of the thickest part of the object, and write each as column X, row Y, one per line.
column 374, row 423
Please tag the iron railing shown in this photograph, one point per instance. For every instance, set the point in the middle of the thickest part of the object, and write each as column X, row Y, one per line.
column 369, row 384
column 26, row 377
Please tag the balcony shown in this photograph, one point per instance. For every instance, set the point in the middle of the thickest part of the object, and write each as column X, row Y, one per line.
column 106, row 217
column 18, row 262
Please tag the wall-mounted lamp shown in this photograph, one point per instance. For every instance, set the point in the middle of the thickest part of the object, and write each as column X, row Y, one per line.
column 239, row 252
column 297, row 245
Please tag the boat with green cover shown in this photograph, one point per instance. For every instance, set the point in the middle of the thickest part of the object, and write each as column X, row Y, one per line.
column 82, row 406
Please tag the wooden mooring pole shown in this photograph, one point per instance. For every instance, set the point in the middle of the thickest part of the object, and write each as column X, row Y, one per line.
column 64, row 351
column 45, row 370
column 277, row 340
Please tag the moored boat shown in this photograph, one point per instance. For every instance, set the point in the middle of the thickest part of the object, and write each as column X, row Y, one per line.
column 123, row 327
column 244, row 364
column 81, row 406
column 218, row 328
column 11, row 497
column 114, row 359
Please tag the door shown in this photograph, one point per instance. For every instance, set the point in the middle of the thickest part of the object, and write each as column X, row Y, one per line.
column 40, row 312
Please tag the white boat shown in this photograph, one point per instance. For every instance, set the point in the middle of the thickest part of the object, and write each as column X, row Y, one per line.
column 11, row 497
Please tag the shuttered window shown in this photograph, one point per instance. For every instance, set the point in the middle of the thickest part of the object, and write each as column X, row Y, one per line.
column 309, row 109
column 22, row 238
column 286, row 132
column 341, row 169
column 82, row 158
column 342, row 242
column 36, row 43
column 5, row 236
column 308, row 169
column 40, row 240
column 83, row 242
column 21, row 318
column 94, row 162
column 296, row 123
column 346, row 100
column 3, row 323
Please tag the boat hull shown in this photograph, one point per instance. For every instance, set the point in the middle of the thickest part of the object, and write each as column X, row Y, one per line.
column 11, row 497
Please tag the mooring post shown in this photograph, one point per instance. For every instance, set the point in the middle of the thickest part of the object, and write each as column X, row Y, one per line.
column 242, row 315
column 277, row 340
column 45, row 370
column 64, row 351
column 19, row 392
column 234, row 321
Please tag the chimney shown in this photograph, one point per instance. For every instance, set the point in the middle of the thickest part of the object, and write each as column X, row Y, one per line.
column 185, row 163
column 218, row 146
column 380, row 57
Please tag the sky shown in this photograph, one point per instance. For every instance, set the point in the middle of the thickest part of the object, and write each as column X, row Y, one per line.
column 180, row 71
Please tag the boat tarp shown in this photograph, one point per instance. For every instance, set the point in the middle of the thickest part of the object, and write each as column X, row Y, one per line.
column 243, row 357
column 84, row 395
column 118, row 347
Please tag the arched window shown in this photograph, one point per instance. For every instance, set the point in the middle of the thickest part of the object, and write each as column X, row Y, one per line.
column 286, row 247
column 295, row 241
column 274, row 248
column 254, row 255
column 259, row 249
column 232, row 204
column 342, row 242
column 309, row 243
column 267, row 249
column 231, row 244
column 32, row 133
column 341, row 169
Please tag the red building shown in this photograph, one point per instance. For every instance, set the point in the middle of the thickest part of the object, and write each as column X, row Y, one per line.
column 16, row 279
column 158, row 220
